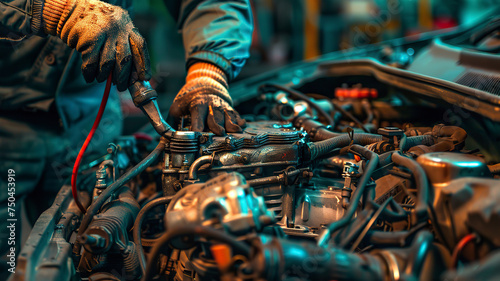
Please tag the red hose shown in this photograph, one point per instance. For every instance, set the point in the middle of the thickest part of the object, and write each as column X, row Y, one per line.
column 104, row 101
column 460, row 246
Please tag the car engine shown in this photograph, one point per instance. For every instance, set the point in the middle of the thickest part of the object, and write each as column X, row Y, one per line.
column 348, row 169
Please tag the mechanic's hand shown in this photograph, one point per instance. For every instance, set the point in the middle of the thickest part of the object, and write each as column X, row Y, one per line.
column 206, row 99
column 105, row 36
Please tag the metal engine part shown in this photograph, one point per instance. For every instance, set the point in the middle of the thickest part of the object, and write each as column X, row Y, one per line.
column 443, row 167
column 348, row 169
column 226, row 200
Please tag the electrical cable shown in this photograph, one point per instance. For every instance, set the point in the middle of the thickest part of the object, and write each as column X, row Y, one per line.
column 136, row 232
column 110, row 190
column 421, row 182
column 370, row 224
column 203, row 231
column 379, row 212
column 365, row 178
column 97, row 120
column 459, row 248
column 397, row 213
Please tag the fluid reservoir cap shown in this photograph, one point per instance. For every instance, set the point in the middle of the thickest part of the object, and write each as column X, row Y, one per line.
column 442, row 167
column 390, row 132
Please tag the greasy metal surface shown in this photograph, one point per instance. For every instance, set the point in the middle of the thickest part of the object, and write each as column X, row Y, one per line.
column 256, row 134
column 228, row 196
column 442, row 167
column 46, row 255
column 307, row 196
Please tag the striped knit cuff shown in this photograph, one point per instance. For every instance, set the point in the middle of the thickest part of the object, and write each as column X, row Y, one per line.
column 52, row 12
column 204, row 69
column 36, row 19
column 213, row 58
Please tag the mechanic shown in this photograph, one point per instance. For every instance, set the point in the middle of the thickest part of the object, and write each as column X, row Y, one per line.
column 47, row 105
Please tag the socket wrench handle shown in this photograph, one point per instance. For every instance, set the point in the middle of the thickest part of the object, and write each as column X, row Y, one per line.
column 144, row 97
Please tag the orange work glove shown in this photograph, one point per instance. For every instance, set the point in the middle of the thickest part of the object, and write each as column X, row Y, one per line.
column 205, row 97
column 105, row 36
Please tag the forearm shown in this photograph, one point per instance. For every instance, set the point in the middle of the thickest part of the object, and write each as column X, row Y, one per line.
column 20, row 18
column 101, row 31
column 218, row 32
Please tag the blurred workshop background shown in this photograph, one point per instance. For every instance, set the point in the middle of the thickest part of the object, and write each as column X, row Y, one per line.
column 288, row 31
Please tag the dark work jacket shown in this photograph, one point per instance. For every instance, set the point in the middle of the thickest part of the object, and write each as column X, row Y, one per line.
column 40, row 73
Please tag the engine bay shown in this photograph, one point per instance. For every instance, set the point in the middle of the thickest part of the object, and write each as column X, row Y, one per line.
column 356, row 170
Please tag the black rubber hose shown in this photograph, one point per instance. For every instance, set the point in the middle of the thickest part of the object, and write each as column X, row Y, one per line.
column 419, row 250
column 453, row 138
column 388, row 215
column 385, row 158
column 321, row 148
column 350, row 116
column 370, row 223
column 300, row 96
column 381, row 212
column 408, row 142
column 205, row 232
column 393, row 239
column 114, row 187
column 324, row 134
column 365, row 178
column 316, row 130
column 388, row 239
column 138, row 225
column 421, row 183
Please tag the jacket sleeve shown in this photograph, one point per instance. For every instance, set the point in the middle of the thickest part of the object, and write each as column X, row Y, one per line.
column 19, row 18
column 215, row 31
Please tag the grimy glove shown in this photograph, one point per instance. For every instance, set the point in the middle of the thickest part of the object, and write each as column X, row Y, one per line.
column 205, row 97
column 105, row 36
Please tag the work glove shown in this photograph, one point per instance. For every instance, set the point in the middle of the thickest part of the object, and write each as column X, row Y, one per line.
column 205, row 97
column 105, row 36
column 125, row 4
